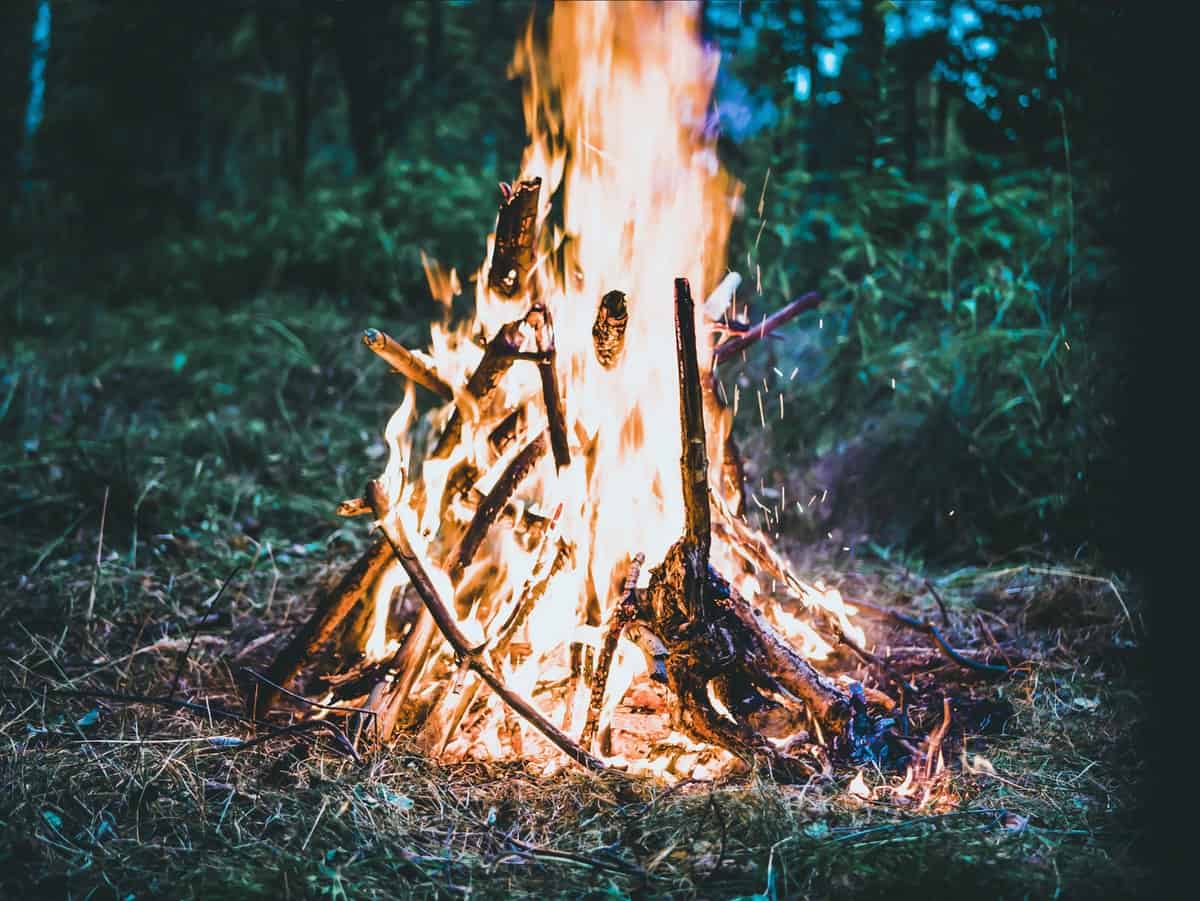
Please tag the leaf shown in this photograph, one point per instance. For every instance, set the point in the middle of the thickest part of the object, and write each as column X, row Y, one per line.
column 403, row 802
column 89, row 719
column 817, row 830
column 52, row 819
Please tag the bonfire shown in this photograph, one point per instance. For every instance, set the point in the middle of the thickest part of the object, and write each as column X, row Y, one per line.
column 561, row 568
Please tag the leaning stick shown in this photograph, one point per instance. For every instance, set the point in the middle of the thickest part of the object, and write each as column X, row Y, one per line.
column 498, row 356
column 393, row 533
column 624, row 613
column 693, row 462
column 408, row 364
column 333, row 607
column 485, row 514
column 726, row 351
column 512, row 256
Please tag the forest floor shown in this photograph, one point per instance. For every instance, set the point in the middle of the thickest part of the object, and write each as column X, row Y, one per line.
column 148, row 454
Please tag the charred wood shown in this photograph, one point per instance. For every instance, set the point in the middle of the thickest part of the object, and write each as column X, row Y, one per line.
column 516, row 231
column 608, row 332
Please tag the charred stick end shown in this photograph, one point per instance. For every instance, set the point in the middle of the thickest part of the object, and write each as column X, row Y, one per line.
column 512, row 256
column 555, row 414
column 608, row 332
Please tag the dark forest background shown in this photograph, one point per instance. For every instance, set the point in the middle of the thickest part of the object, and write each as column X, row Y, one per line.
column 204, row 202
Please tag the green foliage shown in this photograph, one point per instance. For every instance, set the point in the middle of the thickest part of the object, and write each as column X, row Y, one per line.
column 947, row 321
column 365, row 237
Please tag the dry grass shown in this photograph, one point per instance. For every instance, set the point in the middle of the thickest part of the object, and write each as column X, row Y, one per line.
column 109, row 798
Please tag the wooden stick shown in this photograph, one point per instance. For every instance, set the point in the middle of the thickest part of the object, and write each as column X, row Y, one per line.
column 693, row 463
column 509, row 429
column 332, row 608
column 726, row 351
column 539, row 318
column 407, row 363
column 498, row 356
column 393, row 533
column 608, row 332
column 512, row 256
column 623, row 614
column 485, row 514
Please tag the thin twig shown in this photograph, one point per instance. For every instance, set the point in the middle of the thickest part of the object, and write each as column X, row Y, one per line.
column 929, row 629
column 196, row 631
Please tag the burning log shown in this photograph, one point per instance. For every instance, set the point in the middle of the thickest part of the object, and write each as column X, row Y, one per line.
column 407, row 363
column 727, row 351
column 398, row 543
column 512, row 256
column 694, row 461
column 331, row 610
column 608, row 333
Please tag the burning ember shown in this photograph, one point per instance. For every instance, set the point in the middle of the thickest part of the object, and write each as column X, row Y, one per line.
column 573, row 528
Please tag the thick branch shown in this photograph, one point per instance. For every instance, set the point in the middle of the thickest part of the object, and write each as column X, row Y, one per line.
column 407, row 363
column 729, row 349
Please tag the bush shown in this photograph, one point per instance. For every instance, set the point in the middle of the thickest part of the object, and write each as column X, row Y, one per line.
column 948, row 321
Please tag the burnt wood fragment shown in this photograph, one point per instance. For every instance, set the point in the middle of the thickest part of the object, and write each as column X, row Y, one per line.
column 516, row 231
column 608, row 332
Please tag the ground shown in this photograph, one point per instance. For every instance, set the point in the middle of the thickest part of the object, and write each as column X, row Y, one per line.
column 149, row 454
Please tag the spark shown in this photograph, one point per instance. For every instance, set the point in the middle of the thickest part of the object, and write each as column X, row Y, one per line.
column 793, row 375
column 781, row 407
column 777, row 372
column 763, row 196
column 737, row 393
column 820, row 323
column 893, row 383
column 761, row 415
column 824, row 494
